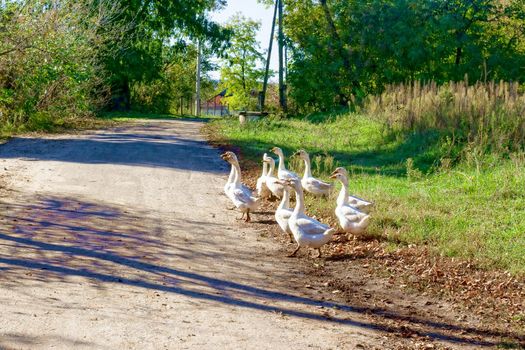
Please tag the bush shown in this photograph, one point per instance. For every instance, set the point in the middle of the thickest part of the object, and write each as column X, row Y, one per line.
column 48, row 61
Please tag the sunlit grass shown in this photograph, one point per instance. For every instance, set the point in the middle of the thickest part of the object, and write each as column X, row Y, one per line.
column 474, row 209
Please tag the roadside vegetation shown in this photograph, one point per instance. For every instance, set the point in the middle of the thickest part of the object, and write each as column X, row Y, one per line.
column 444, row 165
column 64, row 62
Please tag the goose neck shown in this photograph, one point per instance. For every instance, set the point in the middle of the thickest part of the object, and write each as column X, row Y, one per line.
column 272, row 167
column 307, row 167
column 231, row 177
column 285, row 201
column 237, row 179
column 265, row 169
column 299, row 199
column 343, row 195
column 281, row 161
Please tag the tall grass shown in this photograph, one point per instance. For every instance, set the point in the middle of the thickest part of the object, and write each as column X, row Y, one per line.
column 488, row 117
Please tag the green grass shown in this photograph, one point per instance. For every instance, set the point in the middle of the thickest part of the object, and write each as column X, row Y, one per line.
column 474, row 209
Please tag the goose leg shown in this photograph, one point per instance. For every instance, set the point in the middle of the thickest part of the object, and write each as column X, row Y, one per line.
column 291, row 238
column 248, row 216
column 295, row 251
column 242, row 217
column 318, row 252
column 230, row 208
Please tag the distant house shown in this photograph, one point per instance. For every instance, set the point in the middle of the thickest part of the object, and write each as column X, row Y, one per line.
column 215, row 105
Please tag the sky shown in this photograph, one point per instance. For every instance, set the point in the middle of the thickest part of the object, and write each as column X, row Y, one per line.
column 255, row 11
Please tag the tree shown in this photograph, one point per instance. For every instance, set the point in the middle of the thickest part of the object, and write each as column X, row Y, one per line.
column 48, row 69
column 242, row 71
column 344, row 49
column 156, row 30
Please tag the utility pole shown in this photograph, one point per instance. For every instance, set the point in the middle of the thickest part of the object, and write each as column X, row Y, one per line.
column 198, row 81
column 282, row 86
column 265, row 83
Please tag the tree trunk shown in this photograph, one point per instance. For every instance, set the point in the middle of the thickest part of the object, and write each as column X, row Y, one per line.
column 336, row 39
column 343, row 54
column 458, row 55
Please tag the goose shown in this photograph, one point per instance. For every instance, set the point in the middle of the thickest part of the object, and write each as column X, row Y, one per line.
column 273, row 183
column 282, row 172
column 356, row 202
column 240, row 195
column 351, row 219
column 262, row 188
column 231, row 177
column 307, row 231
column 283, row 212
column 310, row 183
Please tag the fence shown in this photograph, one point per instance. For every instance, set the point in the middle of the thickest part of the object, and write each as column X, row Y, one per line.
column 186, row 106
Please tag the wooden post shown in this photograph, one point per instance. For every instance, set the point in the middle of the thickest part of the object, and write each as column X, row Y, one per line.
column 198, row 81
column 282, row 87
column 265, row 83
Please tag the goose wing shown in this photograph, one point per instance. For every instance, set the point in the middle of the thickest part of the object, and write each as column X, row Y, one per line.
column 312, row 181
column 287, row 175
column 311, row 226
column 242, row 195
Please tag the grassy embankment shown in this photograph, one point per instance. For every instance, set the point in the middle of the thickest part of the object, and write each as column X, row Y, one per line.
column 444, row 187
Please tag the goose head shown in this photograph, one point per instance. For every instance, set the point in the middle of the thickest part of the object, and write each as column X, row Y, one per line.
column 302, row 154
column 268, row 160
column 293, row 183
column 341, row 170
column 277, row 151
column 229, row 157
column 340, row 175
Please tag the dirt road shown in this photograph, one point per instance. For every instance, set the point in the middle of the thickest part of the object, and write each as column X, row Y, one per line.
column 120, row 239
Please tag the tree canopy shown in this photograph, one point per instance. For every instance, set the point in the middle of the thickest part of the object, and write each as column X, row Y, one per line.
column 344, row 49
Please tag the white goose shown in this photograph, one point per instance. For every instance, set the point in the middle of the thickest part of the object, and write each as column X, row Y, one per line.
column 262, row 189
column 310, row 183
column 282, row 172
column 307, row 231
column 273, row 183
column 355, row 202
column 283, row 212
column 240, row 195
column 350, row 219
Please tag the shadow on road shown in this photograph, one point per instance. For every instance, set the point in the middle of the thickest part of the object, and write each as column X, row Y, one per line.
column 52, row 239
column 152, row 145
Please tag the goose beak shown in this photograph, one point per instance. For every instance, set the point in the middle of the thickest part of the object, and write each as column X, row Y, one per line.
column 334, row 173
column 333, row 176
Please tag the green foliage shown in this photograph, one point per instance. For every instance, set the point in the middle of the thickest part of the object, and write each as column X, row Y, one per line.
column 64, row 58
column 473, row 210
column 47, row 66
column 343, row 50
column 156, row 33
column 241, row 73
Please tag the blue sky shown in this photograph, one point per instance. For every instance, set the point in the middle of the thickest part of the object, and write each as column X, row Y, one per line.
column 255, row 11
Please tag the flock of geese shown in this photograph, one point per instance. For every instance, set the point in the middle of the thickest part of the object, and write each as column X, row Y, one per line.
column 352, row 212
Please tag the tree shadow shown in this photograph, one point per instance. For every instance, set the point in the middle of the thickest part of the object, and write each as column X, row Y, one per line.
column 51, row 239
column 33, row 341
column 159, row 144
column 377, row 160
